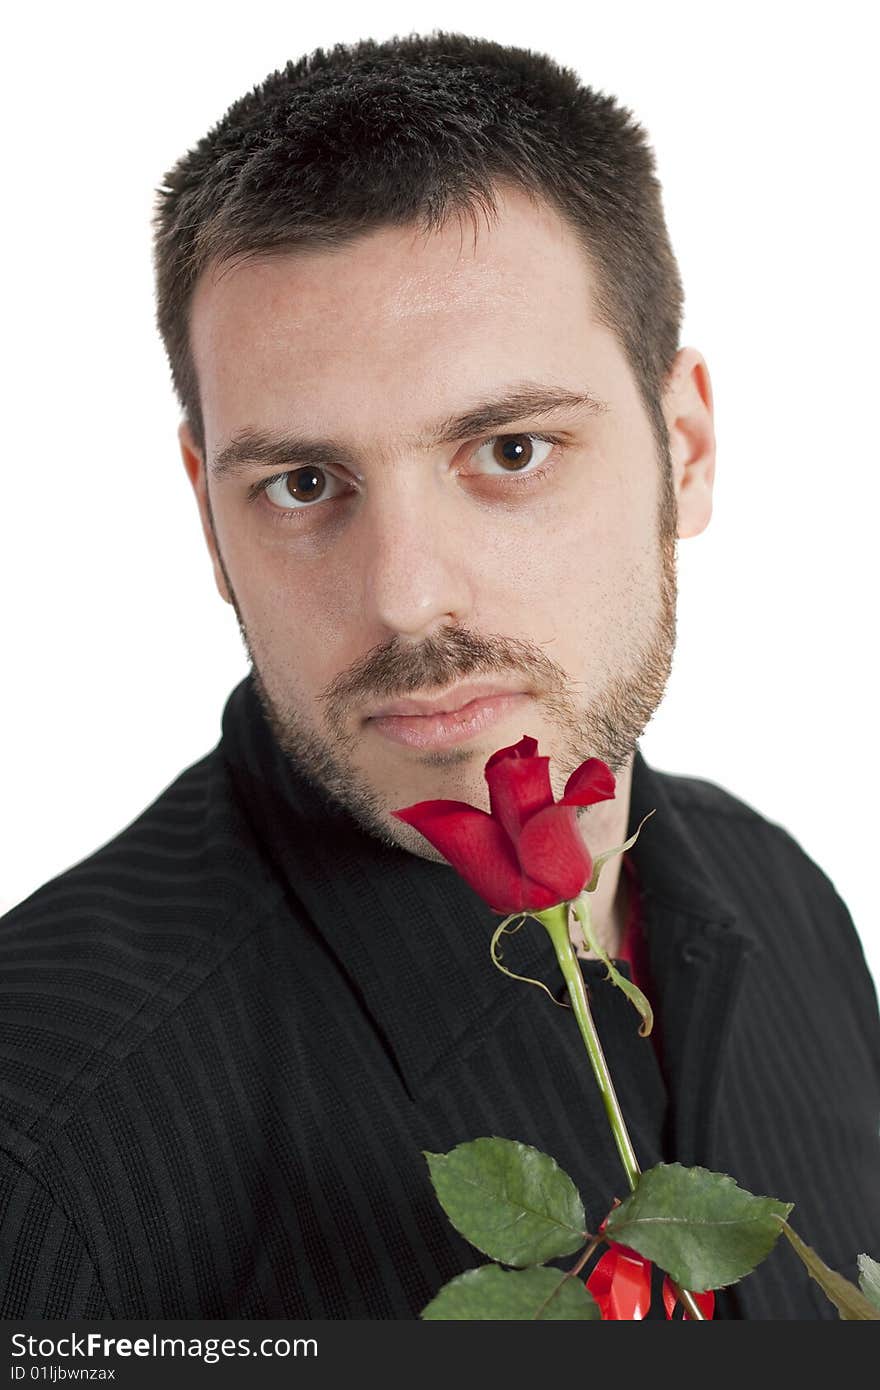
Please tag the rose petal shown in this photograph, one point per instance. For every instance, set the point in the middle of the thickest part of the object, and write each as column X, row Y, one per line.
column 551, row 851
column 526, row 748
column 480, row 851
column 591, row 782
column 518, row 788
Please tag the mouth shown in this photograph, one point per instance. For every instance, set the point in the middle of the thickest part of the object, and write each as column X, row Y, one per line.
column 442, row 728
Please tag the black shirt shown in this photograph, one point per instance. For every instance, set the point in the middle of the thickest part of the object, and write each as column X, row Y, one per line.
column 228, row 1035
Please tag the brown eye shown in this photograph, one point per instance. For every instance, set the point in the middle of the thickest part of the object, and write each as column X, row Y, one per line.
column 515, row 453
column 305, row 484
column 295, row 489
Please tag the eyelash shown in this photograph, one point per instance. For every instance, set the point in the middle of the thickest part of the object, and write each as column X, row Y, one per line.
column 518, row 479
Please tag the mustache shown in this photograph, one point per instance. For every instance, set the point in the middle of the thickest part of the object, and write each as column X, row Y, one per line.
column 398, row 668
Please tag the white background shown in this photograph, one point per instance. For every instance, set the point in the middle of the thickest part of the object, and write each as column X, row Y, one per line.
column 120, row 654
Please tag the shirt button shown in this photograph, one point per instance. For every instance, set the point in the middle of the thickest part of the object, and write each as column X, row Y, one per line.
column 692, row 954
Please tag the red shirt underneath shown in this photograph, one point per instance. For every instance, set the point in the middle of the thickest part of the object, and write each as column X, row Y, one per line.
column 634, row 950
column 632, row 947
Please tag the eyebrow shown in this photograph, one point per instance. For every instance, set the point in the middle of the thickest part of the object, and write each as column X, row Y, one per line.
column 257, row 448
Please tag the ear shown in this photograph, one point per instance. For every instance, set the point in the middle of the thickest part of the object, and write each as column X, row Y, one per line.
column 687, row 408
column 194, row 463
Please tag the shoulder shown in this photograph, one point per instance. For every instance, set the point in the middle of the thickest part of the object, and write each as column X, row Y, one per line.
column 702, row 794
column 705, row 805
column 192, row 843
column 96, row 958
column 189, row 856
column 778, row 883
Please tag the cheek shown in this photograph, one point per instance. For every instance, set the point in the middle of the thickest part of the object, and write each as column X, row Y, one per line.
column 285, row 600
column 602, row 530
column 303, row 625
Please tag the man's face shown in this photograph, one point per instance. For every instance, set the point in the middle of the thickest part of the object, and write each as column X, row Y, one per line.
column 397, row 561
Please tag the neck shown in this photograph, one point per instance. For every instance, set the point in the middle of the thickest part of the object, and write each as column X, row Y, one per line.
column 604, row 827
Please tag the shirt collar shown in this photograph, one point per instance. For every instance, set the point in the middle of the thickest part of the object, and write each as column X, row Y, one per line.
column 671, row 869
column 410, row 937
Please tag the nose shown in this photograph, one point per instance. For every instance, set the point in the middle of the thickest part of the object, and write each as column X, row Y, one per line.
column 414, row 548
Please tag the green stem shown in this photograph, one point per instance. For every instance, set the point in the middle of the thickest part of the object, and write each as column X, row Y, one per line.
column 555, row 920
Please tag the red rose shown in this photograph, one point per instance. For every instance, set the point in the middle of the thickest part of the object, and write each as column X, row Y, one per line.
column 527, row 853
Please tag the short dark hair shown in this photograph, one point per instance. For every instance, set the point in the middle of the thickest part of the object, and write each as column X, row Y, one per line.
column 413, row 130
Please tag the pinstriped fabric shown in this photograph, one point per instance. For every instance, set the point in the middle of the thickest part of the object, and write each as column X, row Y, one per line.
column 63, row 1281
column 228, row 1036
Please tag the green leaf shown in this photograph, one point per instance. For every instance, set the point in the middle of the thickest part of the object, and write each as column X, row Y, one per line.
column 610, row 853
column 581, row 907
column 851, row 1304
column 492, row 1293
column 509, row 1200
column 869, row 1279
column 697, row 1225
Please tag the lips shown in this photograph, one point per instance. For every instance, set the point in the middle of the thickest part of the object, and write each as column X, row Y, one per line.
column 426, row 731
column 449, row 703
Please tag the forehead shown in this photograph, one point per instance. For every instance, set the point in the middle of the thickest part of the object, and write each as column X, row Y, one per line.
column 396, row 321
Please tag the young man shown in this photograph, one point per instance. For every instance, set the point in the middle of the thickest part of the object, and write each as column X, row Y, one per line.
column 423, row 317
